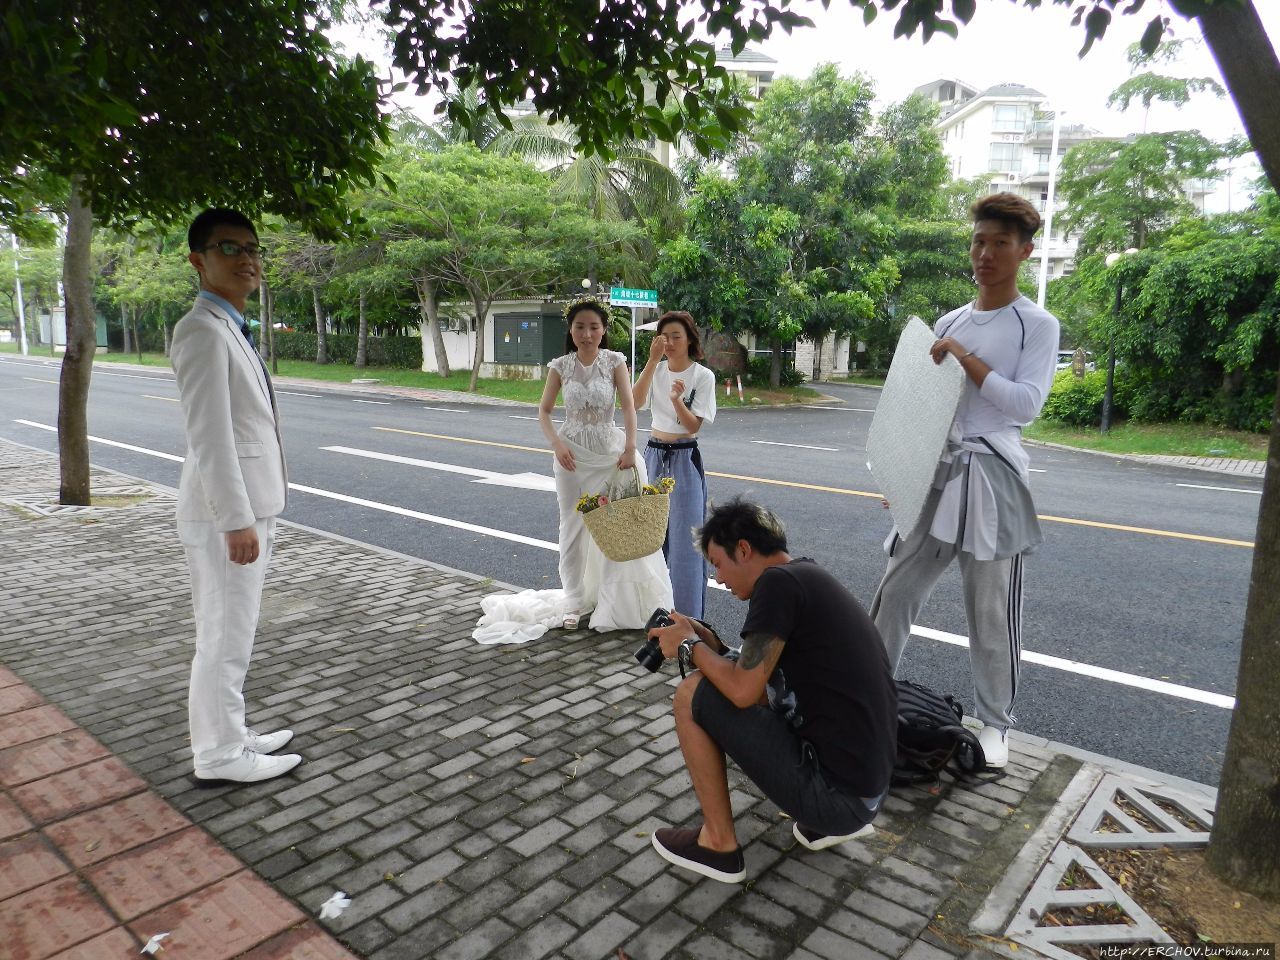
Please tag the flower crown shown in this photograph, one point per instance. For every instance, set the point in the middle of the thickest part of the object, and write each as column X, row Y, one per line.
column 600, row 303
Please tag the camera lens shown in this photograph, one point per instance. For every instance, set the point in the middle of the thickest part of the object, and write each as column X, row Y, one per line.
column 650, row 656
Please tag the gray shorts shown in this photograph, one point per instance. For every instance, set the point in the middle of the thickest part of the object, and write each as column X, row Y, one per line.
column 781, row 763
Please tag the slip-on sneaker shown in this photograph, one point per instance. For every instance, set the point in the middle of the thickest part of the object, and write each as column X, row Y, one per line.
column 681, row 847
column 813, row 840
column 249, row 767
column 267, row 742
column 995, row 747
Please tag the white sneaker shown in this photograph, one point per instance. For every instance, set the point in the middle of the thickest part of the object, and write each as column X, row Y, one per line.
column 249, row 767
column 995, row 746
column 267, row 742
column 812, row 840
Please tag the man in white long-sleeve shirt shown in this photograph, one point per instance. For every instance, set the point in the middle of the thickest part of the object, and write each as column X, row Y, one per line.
column 981, row 511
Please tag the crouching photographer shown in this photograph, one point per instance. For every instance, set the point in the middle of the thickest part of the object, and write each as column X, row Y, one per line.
column 808, row 710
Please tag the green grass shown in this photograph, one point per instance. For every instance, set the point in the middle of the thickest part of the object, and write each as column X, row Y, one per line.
column 1163, row 439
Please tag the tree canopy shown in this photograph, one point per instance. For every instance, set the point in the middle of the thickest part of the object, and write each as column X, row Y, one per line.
column 157, row 108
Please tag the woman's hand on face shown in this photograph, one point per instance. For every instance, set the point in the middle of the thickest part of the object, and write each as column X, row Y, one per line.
column 657, row 349
column 628, row 459
column 564, row 456
column 677, row 390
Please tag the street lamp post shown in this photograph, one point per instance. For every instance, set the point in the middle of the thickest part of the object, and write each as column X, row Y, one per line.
column 1107, row 394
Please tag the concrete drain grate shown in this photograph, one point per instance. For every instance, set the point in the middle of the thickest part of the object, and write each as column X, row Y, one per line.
column 1114, row 802
column 42, row 505
column 1028, row 926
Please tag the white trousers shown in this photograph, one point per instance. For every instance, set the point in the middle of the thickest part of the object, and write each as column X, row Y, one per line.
column 226, row 597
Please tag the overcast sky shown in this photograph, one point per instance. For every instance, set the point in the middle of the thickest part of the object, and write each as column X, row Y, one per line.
column 1004, row 43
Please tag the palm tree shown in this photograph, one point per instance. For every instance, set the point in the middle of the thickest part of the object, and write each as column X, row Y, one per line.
column 632, row 185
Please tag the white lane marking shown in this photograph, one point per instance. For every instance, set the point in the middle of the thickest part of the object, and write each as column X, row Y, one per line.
column 442, row 409
column 522, row 481
column 839, row 409
column 1098, row 673
column 411, row 461
column 1057, row 663
column 526, row 481
column 799, row 446
column 128, row 376
column 379, row 402
column 109, row 443
column 1197, row 486
column 40, row 380
column 290, row 393
column 170, row 399
column 429, row 518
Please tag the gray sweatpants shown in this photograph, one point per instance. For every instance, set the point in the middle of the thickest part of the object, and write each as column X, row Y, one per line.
column 992, row 603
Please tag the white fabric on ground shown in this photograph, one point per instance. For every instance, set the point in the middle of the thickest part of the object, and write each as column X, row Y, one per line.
column 520, row 617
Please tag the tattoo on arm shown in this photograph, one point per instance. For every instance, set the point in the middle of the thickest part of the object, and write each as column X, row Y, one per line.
column 759, row 647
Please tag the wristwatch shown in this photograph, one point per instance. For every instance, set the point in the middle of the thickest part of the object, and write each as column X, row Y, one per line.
column 685, row 652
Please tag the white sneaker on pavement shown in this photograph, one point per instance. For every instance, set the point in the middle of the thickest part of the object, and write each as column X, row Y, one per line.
column 812, row 840
column 267, row 742
column 249, row 767
column 995, row 746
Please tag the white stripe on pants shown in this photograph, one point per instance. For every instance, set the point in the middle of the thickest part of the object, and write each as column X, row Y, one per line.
column 992, row 604
column 226, row 597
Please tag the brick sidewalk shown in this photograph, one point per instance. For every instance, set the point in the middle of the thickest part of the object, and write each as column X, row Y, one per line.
column 472, row 801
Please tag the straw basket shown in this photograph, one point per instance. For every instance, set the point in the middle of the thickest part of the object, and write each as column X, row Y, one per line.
column 632, row 527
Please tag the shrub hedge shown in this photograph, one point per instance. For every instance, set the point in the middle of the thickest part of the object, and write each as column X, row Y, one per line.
column 401, row 352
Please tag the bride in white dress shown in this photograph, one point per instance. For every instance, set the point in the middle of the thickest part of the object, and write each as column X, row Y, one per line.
column 590, row 450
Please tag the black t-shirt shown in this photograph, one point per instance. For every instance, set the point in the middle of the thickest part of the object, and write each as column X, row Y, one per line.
column 846, row 703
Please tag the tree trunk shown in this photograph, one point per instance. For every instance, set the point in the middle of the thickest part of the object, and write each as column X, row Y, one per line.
column 322, row 350
column 1248, row 62
column 264, row 317
column 431, row 319
column 77, row 362
column 127, row 345
column 137, row 335
column 482, row 311
column 362, row 337
column 1246, row 830
column 271, row 334
column 775, row 364
column 1246, row 827
column 167, row 334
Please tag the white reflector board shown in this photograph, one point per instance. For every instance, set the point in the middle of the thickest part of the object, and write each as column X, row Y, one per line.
column 910, row 426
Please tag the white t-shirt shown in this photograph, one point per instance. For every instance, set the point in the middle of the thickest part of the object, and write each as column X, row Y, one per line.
column 699, row 396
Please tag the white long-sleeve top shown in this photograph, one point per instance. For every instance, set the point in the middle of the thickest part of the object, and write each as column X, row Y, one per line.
column 979, row 511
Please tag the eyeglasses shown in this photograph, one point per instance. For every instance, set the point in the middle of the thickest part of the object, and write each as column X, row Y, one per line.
column 229, row 249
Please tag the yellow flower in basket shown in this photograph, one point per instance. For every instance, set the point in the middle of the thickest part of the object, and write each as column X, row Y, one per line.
column 635, row 523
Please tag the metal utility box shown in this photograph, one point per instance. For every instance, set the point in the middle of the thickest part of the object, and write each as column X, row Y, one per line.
column 533, row 336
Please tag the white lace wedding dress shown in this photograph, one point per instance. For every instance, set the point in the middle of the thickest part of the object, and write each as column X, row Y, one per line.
column 617, row 595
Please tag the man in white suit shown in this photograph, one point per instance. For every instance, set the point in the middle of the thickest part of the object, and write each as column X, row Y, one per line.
column 233, row 485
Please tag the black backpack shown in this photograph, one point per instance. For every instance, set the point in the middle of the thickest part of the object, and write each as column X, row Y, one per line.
column 931, row 736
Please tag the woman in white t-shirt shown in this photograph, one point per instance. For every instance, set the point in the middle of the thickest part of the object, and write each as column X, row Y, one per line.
column 681, row 394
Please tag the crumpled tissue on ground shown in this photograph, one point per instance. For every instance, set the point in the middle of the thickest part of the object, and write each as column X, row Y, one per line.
column 332, row 908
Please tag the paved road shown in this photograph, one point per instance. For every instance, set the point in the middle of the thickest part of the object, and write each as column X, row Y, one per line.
column 471, row 490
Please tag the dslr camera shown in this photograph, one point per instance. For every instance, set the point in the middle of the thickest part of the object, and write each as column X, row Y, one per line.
column 650, row 655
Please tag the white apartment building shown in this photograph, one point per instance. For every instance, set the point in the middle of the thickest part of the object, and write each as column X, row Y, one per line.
column 1005, row 133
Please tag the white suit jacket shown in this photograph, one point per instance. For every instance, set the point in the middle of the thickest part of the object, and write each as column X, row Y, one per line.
column 235, row 471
